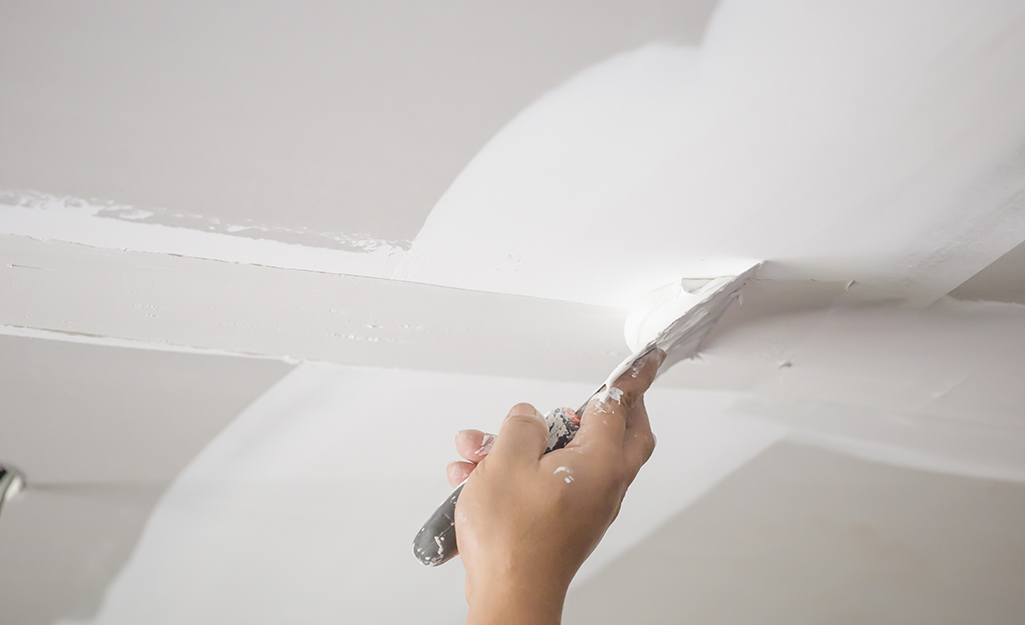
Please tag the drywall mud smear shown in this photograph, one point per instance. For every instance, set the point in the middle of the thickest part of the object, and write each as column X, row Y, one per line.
column 874, row 141
column 109, row 225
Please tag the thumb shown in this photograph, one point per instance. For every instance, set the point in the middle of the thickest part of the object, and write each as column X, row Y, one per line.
column 523, row 437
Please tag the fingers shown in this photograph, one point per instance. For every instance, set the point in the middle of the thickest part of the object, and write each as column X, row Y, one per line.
column 636, row 380
column 639, row 442
column 523, row 437
column 606, row 423
column 457, row 472
column 473, row 445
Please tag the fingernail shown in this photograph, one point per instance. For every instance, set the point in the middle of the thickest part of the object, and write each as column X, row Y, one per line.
column 525, row 410
column 486, row 444
column 654, row 353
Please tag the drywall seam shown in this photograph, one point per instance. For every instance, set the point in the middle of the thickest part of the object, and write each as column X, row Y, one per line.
column 304, row 314
column 897, row 456
column 917, row 440
column 47, row 217
column 111, row 341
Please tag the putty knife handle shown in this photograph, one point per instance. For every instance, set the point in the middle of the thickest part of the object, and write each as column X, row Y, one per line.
column 435, row 543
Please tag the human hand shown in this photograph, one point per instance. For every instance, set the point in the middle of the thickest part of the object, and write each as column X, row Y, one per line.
column 527, row 520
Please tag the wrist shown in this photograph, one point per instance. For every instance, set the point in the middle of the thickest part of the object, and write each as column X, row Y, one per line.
column 508, row 600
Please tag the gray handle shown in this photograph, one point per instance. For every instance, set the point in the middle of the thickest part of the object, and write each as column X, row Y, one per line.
column 435, row 543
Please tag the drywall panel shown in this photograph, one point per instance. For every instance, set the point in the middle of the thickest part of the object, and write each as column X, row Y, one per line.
column 305, row 507
column 99, row 432
column 989, row 391
column 824, row 342
column 806, row 536
column 933, row 388
column 908, row 358
column 870, row 141
column 959, row 446
column 241, row 308
column 61, row 548
column 333, row 124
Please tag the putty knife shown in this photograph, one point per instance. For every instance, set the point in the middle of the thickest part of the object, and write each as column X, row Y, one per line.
column 674, row 318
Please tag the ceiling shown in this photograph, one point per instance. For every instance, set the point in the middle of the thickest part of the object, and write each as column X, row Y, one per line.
column 797, row 513
column 321, row 123
column 259, row 263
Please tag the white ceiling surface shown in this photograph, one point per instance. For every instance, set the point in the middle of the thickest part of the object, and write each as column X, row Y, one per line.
column 332, row 124
column 875, row 142
column 879, row 142
column 312, row 496
column 170, row 301
column 804, row 536
column 101, row 432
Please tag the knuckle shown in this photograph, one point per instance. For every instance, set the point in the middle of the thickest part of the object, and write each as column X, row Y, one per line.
column 617, row 480
column 528, row 422
column 648, row 446
column 631, row 395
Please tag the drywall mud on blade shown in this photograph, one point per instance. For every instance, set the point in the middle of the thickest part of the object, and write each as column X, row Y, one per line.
column 674, row 318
